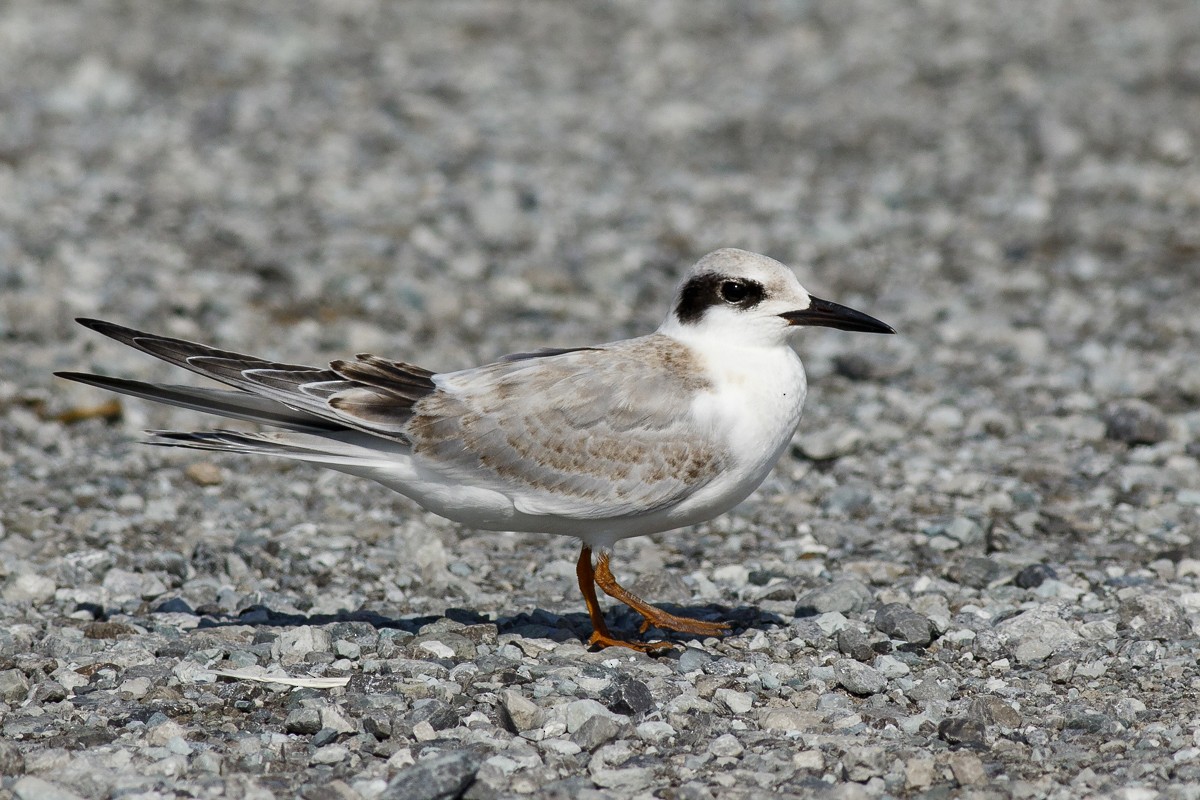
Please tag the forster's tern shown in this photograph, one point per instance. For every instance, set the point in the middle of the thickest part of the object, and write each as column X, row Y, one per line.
column 601, row 443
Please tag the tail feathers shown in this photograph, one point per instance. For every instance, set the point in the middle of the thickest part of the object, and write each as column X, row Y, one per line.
column 371, row 394
column 223, row 402
column 300, row 446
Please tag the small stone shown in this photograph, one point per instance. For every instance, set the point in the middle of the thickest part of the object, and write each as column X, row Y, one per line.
column 14, row 687
column 830, row 622
column 995, row 711
column 423, row 731
column 330, row 754
column 1034, row 576
column 438, row 715
column 830, row 443
column 440, row 777
column 204, row 473
column 944, row 419
column 12, row 760
column 347, row 649
column 863, row 763
column 435, row 648
column 29, row 588
column 891, row 667
column 858, row 678
column 161, row 733
column 809, row 760
column 693, row 659
column 333, row 718
column 629, row 697
column 176, row 605
column 295, row 643
column 967, row 768
column 849, row 499
column 1036, row 634
column 580, row 711
column 304, row 721
column 125, row 585
column 737, row 702
column 846, row 596
column 378, row 723
column 919, row 772
column 726, row 746
column 31, row 788
column 595, row 732
column 901, row 622
column 522, row 712
column 785, row 719
column 1152, row 617
column 1135, row 422
column 854, row 643
column 965, row 731
column 978, row 572
column 655, row 731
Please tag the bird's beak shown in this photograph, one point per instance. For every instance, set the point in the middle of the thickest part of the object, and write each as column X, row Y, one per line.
column 831, row 315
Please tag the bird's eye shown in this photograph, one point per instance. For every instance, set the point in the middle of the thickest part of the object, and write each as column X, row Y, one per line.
column 734, row 291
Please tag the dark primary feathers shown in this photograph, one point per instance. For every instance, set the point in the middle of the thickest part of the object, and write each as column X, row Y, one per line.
column 370, row 394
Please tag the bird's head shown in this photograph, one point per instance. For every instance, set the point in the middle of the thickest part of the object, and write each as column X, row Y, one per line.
column 743, row 298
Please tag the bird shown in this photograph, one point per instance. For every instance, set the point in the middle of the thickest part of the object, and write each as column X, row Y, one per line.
column 602, row 442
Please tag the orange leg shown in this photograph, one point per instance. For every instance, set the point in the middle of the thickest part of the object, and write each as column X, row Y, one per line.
column 601, row 636
column 654, row 616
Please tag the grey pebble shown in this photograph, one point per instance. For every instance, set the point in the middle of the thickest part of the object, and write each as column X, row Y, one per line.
column 863, row 763
column 1152, row 617
column 847, row 596
column 436, row 712
column 579, row 712
column 1135, row 422
column 14, row 686
column 440, row 777
column 858, row 678
column 978, row 572
column 901, row 622
column 305, row 721
column 853, row 642
column 966, row 731
column 30, row 787
column 523, row 713
column 595, row 732
column 693, row 659
column 726, row 746
column 629, row 697
column 12, row 760
column 1034, row 575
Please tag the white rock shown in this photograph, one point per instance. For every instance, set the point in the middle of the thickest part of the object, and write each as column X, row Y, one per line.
column 330, row 754
column 655, row 731
column 31, row 788
column 30, row 588
column 737, row 702
column 580, row 711
column 726, row 746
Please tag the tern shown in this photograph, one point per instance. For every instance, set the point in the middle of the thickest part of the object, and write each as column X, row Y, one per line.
column 601, row 443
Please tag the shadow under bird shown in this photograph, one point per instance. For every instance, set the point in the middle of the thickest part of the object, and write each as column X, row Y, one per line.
column 601, row 443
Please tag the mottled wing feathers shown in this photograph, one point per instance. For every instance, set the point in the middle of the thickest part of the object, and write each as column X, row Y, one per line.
column 591, row 433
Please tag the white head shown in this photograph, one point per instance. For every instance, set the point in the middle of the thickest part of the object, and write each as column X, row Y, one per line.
column 747, row 299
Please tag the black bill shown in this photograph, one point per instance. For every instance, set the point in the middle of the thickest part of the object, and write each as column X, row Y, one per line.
column 832, row 315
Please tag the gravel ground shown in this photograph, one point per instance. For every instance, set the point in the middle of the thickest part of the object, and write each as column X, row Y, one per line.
column 976, row 574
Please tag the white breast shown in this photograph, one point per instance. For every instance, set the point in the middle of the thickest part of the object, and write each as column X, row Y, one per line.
column 754, row 407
